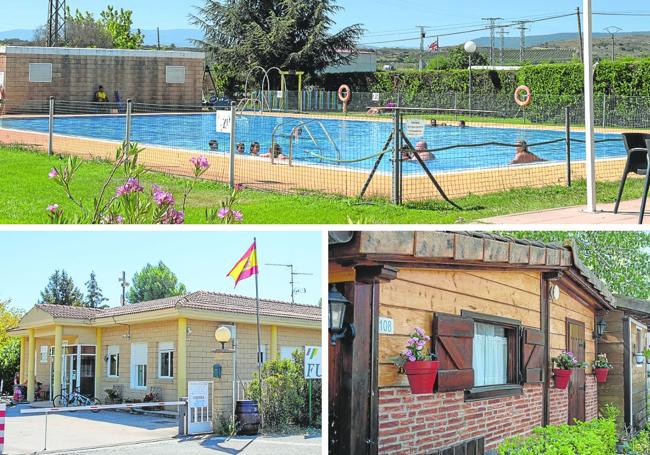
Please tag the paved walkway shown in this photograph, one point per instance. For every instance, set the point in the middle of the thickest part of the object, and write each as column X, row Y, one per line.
column 628, row 214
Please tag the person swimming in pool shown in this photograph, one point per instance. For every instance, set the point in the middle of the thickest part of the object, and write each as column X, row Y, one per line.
column 214, row 145
column 240, row 148
column 523, row 155
column 276, row 151
column 296, row 133
column 462, row 124
column 423, row 151
column 255, row 149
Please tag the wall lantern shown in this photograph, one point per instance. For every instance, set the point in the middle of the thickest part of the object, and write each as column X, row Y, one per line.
column 223, row 336
column 554, row 292
column 338, row 305
column 601, row 326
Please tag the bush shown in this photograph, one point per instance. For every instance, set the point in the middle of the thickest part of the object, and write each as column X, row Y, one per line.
column 285, row 401
column 597, row 437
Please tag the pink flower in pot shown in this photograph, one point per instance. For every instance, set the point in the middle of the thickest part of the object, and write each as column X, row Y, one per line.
column 419, row 364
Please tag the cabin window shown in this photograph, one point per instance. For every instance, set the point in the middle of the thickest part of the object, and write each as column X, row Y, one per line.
column 113, row 361
column 490, row 361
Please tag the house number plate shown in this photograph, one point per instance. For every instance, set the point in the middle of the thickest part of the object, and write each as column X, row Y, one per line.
column 386, row 326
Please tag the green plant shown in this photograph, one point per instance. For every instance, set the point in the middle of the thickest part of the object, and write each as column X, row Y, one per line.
column 226, row 425
column 639, row 444
column 597, row 437
column 602, row 362
column 566, row 361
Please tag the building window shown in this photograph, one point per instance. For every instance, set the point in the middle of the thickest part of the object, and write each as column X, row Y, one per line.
column 490, row 361
column 287, row 351
column 166, row 360
column 175, row 74
column 40, row 72
column 113, row 362
column 45, row 354
column 138, row 365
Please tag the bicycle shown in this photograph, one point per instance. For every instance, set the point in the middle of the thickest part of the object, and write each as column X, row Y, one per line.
column 75, row 399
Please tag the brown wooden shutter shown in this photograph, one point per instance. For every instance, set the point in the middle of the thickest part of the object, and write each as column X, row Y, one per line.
column 533, row 355
column 453, row 338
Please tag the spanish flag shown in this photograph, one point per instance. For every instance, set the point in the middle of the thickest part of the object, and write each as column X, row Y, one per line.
column 246, row 266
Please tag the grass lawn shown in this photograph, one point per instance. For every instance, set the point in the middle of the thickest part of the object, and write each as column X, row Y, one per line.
column 26, row 191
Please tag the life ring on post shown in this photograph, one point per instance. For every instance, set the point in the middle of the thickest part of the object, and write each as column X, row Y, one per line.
column 345, row 93
column 528, row 98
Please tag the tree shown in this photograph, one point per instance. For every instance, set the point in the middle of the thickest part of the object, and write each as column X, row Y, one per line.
column 154, row 282
column 457, row 58
column 620, row 259
column 118, row 24
column 9, row 346
column 94, row 295
column 60, row 290
column 290, row 34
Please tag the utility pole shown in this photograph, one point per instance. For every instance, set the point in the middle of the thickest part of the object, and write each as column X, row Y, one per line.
column 56, row 23
column 613, row 30
column 124, row 285
column 423, row 35
column 292, row 282
column 522, row 38
column 502, row 37
column 493, row 27
column 158, row 36
column 580, row 34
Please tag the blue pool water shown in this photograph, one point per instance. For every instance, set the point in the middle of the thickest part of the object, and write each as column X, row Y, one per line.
column 351, row 140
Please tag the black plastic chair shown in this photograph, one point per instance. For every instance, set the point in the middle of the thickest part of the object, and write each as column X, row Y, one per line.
column 636, row 145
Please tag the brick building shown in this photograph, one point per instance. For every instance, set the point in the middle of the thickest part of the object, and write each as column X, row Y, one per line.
column 497, row 309
column 158, row 345
column 30, row 75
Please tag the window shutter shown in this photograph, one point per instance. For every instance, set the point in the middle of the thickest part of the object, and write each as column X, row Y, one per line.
column 453, row 343
column 533, row 355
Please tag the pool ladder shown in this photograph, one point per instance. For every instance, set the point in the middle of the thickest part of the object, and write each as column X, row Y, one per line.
column 304, row 125
column 245, row 102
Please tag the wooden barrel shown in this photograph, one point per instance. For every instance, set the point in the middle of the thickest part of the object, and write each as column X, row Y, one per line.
column 248, row 417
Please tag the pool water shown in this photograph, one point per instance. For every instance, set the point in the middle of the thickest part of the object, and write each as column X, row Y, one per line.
column 328, row 142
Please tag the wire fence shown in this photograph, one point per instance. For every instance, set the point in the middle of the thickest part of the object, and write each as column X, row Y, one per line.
column 416, row 151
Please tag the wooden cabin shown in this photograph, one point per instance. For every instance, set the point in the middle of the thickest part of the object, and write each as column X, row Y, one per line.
column 625, row 336
column 497, row 308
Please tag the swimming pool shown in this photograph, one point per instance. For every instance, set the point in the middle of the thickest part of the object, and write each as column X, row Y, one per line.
column 331, row 142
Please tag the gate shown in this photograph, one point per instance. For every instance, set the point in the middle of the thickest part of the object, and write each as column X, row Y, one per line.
column 199, row 403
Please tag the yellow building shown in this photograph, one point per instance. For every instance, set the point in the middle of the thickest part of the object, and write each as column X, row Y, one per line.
column 158, row 345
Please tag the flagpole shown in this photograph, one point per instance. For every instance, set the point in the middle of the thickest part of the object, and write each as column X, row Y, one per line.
column 259, row 334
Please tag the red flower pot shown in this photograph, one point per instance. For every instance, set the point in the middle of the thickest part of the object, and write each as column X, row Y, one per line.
column 601, row 374
column 422, row 375
column 561, row 378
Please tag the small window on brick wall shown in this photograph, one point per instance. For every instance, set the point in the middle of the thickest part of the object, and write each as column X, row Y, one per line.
column 175, row 74
column 40, row 72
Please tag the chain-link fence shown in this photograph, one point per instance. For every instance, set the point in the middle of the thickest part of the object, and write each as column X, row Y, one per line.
column 429, row 147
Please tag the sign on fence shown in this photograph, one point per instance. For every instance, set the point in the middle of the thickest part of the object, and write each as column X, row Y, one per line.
column 313, row 369
column 375, row 97
column 224, row 119
column 279, row 94
column 3, row 411
column 415, row 127
column 199, row 412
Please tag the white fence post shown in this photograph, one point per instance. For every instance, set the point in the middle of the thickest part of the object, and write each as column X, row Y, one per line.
column 233, row 120
column 3, row 411
column 50, row 130
column 127, row 133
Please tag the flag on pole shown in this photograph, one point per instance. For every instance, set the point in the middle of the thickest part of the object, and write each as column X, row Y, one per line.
column 246, row 266
column 434, row 47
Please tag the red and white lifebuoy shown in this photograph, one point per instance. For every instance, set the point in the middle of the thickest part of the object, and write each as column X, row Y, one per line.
column 345, row 93
column 527, row 99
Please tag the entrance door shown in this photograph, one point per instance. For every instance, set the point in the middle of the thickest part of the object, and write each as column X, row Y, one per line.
column 575, row 331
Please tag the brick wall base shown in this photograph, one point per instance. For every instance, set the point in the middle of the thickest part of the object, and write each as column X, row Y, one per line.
column 591, row 398
column 419, row 424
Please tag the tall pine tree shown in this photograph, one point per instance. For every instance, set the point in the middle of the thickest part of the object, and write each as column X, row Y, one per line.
column 60, row 290
column 94, row 295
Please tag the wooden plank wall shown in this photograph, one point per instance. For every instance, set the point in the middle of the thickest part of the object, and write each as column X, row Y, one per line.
column 412, row 298
column 568, row 307
column 638, row 375
column 611, row 392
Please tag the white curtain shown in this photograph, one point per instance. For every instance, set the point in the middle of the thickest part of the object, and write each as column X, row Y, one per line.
column 490, row 360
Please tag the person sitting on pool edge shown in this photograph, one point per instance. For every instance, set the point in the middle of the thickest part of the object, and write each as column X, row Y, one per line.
column 240, row 148
column 523, row 155
column 214, row 145
column 100, row 95
column 255, row 149
column 423, row 151
column 276, row 150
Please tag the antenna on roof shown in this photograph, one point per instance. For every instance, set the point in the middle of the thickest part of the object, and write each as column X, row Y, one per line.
column 124, row 285
column 56, row 23
column 292, row 282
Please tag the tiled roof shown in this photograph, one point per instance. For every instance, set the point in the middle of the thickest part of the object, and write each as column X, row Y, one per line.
column 201, row 300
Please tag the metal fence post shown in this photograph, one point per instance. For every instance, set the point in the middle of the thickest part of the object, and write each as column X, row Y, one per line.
column 127, row 134
column 233, row 120
column 397, row 159
column 50, row 128
column 604, row 110
column 182, row 413
column 567, row 124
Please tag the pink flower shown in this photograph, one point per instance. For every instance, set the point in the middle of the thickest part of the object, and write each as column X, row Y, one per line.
column 200, row 162
column 162, row 197
column 53, row 173
column 173, row 216
column 237, row 215
column 419, row 331
column 119, row 219
column 223, row 212
column 52, row 208
column 132, row 185
column 239, row 186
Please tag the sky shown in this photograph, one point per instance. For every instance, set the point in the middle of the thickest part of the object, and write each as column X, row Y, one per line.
column 201, row 261
column 377, row 16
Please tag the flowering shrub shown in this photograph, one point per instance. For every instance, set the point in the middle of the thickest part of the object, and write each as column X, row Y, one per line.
column 132, row 203
column 602, row 362
column 567, row 361
column 415, row 349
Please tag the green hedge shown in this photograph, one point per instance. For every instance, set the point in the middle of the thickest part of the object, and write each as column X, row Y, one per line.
column 597, row 437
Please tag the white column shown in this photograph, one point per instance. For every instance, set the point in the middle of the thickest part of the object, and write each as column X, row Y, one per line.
column 590, row 164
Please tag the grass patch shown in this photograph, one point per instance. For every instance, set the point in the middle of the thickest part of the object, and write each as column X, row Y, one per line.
column 25, row 192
